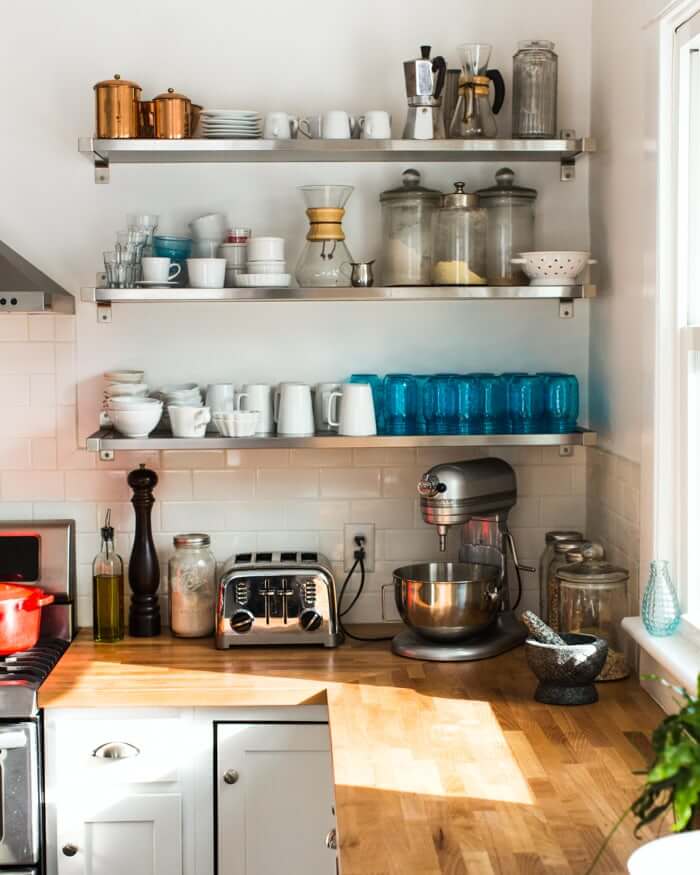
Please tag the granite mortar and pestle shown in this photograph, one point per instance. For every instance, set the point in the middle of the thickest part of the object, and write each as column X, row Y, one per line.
column 565, row 665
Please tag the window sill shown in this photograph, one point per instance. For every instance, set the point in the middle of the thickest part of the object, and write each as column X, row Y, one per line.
column 679, row 654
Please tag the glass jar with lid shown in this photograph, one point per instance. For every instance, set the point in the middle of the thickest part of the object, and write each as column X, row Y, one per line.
column 550, row 539
column 549, row 596
column 192, row 586
column 535, row 90
column 511, row 228
column 407, row 212
column 593, row 600
column 459, row 240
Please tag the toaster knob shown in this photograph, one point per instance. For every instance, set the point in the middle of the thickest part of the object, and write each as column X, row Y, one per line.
column 242, row 620
column 310, row 620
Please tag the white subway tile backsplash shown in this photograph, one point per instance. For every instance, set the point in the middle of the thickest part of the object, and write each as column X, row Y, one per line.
column 426, row 457
column 171, row 459
column 332, row 545
column 41, row 328
column 400, row 482
column 544, row 480
column 375, row 457
column 28, row 421
column 43, row 390
column 222, row 485
column 64, row 328
column 83, row 512
column 563, row 512
column 14, row 326
column 319, row 515
column 174, row 486
column 16, row 510
column 331, row 458
column 272, row 458
column 288, row 483
column 254, row 516
column 385, row 513
column 26, row 358
column 68, row 454
column 350, row 483
column 526, row 513
column 66, row 373
column 194, row 516
column 288, row 541
column 15, row 452
column 97, row 486
column 122, row 516
column 414, row 545
column 32, row 485
column 43, row 452
column 14, row 390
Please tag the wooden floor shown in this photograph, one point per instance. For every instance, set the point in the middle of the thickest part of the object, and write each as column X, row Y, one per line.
column 439, row 768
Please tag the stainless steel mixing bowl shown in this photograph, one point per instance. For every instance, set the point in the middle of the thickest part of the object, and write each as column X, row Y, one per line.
column 447, row 601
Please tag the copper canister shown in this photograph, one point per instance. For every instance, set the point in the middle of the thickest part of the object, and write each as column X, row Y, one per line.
column 146, row 118
column 117, row 109
column 195, row 113
column 172, row 115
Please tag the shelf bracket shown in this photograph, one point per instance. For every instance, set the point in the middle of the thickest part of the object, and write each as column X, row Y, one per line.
column 104, row 312
column 567, row 165
column 566, row 308
column 101, row 169
column 108, row 455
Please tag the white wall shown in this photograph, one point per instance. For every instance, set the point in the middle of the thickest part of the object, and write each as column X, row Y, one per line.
column 303, row 57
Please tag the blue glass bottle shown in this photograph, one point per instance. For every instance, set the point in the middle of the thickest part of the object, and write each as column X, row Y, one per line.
column 661, row 611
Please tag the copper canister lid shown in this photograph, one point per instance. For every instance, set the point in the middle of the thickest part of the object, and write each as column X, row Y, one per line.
column 170, row 94
column 116, row 82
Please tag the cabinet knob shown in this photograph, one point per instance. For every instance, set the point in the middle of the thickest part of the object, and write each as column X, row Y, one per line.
column 231, row 776
column 69, row 850
column 332, row 840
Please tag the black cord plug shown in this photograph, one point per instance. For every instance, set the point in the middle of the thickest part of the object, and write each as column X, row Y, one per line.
column 360, row 553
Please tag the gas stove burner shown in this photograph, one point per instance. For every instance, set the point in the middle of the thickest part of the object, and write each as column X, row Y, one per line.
column 33, row 665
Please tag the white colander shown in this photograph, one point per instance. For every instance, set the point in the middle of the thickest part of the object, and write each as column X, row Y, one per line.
column 553, row 268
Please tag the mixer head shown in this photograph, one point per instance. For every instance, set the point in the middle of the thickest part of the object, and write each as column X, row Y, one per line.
column 456, row 492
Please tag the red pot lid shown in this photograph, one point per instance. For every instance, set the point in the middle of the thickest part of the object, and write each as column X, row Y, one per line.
column 11, row 591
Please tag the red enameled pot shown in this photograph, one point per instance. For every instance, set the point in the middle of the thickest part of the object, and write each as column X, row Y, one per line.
column 20, row 616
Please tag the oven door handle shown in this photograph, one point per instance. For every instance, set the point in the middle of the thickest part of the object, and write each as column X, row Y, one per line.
column 12, row 740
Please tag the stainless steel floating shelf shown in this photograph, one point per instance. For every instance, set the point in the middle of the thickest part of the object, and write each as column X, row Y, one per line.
column 106, row 152
column 375, row 293
column 110, row 440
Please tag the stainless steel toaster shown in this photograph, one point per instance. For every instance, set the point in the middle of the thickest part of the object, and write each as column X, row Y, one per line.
column 277, row 598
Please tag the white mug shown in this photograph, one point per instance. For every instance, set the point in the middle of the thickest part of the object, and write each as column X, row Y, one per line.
column 356, row 410
column 322, row 393
column 220, row 397
column 258, row 396
column 206, row 273
column 293, row 410
column 159, row 270
column 280, row 126
column 188, row 422
column 337, row 125
column 375, row 125
column 266, row 249
column 311, row 126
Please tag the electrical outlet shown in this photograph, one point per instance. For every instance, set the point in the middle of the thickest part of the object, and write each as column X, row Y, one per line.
column 350, row 531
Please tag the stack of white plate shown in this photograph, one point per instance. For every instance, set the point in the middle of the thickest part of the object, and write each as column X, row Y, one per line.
column 230, row 124
column 121, row 384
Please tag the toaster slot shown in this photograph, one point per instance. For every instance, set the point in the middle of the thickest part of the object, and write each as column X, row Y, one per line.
column 288, row 557
column 263, row 557
column 309, row 557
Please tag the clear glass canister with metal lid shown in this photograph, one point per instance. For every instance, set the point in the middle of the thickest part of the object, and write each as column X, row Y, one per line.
column 511, row 227
column 535, row 90
column 593, row 600
column 549, row 596
column 192, row 586
column 407, row 212
column 459, row 240
column 550, row 539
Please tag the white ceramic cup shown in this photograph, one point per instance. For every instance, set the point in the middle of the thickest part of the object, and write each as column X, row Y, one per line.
column 280, row 126
column 311, row 126
column 266, row 249
column 188, row 422
column 159, row 270
column 206, row 273
column 267, row 267
column 336, row 124
column 375, row 124
column 293, row 410
column 220, row 397
column 206, row 249
column 258, row 397
column 322, row 393
column 356, row 416
column 209, row 227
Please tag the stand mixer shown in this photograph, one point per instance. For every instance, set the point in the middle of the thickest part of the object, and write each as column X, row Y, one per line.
column 461, row 611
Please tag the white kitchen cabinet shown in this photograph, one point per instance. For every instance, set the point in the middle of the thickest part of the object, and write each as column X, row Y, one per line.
column 274, row 798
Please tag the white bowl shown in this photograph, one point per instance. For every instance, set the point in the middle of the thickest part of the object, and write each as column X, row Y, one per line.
column 266, row 248
column 213, row 226
column 263, row 280
column 178, row 388
column 266, row 267
column 123, row 376
column 239, row 423
column 553, row 268
column 113, row 390
column 136, row 423
column 129, row 402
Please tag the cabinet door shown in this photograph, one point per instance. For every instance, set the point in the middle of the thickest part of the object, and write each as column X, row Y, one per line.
column 276, row 809
column 134, row 834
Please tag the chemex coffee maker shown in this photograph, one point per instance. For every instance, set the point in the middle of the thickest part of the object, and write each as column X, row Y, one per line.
column 425, row 79
column 475, row 115
column 461, row 610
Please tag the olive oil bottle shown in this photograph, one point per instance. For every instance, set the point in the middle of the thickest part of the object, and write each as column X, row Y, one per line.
column 108, row 589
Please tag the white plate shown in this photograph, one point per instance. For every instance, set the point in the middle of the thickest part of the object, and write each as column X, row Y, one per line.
column 154, row 284
column 230, row 136
column 231, row 125
column 229, row 112
column 263, row 280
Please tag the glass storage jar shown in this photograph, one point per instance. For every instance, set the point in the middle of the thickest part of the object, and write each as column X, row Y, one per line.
column 192, row 586
column 550, row 539
column 511, row 228
column 535, row 90
column 407, row 212
column 549, row 594
column 593, row 600
column 459, row 240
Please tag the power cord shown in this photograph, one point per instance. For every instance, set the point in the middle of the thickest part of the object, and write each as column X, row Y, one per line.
column 359, row 556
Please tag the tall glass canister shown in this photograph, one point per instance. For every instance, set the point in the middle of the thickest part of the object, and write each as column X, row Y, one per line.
column 192, row 586
column 459, row 240
column 535, row 90
column 511, row 228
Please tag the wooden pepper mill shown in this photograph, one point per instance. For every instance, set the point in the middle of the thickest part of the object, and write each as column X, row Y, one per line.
column 144, row 571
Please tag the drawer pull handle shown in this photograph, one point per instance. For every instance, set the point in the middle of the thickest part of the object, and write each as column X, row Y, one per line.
column 231, row 776
column 70, row 850
column 116, row 750
column 332, row 840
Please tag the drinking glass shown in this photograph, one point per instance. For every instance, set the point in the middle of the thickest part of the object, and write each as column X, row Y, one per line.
column 400, row 403
column 375, row 382
column 440, row 404
column 122, row 269
column 135, row 237
column 494, row 389
column 470, row 404
column 561, row 402
column 421, row 383
column 526, row 404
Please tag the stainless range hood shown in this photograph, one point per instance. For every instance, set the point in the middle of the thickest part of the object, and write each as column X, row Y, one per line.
column 26, row 289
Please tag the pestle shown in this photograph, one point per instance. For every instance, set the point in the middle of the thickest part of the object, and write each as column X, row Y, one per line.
column 540, row 631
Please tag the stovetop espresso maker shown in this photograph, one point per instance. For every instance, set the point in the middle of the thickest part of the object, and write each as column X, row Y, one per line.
column 425, row 79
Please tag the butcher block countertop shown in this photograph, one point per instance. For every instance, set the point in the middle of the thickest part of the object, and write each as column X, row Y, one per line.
column 439, row 767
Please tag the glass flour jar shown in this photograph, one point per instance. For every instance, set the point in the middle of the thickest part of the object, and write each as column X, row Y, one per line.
column 459, row 240
column 192, row 586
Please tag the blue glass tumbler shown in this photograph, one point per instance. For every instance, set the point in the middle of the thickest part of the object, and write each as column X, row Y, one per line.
column 400, row 403
column 421, row 382
column 440, row 404
column 495, row 403
column 375, row 382
column 470, row 405
column 561, row 402
column 526, row 404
